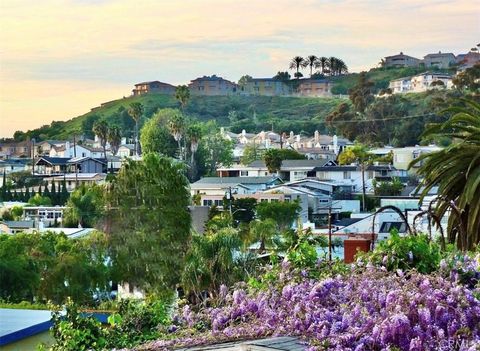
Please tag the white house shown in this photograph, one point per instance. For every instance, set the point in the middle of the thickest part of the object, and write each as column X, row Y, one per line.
column 237, row 185
column 430, row 80
column 69, row 150
column 400, row 85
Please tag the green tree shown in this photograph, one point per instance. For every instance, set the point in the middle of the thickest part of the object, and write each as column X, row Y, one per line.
column 39, row 200
column 193, row 134
column 252, row 152
column 282, row 76
column 100, row 128
column 215, row 150
column 456, row 171
column 242, row 82
column 282, row 212
column 135, row 110
column 323, row 64
column 211, row 262
column 296, row 63
column 273, row 158
column 85, row 206
column 361, row 95
column 182, row 94
column 177, row 125
column 155, row 136
column 114, row 138
column 312, row 62
column 149, row 222
column 263, row 231
column 468, row 79
column 391, row 188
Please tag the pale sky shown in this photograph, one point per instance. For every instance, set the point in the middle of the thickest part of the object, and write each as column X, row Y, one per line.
column 59, row 58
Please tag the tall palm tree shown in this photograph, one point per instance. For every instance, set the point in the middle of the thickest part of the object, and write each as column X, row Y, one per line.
column 312, row 62
column 296, row 63
column 114, row 139
column 194, row 133
column 100, row 128
column 182, row 94
column 342, row 67
column 323, row 64
column 456, row 172
column 135, row 111
column 176, row 125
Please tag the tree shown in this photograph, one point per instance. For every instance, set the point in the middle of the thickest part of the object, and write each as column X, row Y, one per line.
column 282, row 76
column 323, row 64
column 283, row 213
column 243, row 209
column 194, row 134
column 135, row 111
column 296, row 63
column 182, row 94
column 273, row 158
column 39, row 200
column 100, row 128
column 114, row 139
column 252, row 152
column 456, row 171
column 155, row 135
column 242, row 82
column 215, row 150
column 468, row 79
column 361, row 95
column 85, row 206
column 263, row 231
column 312, row 62
column 391, row 188
column 176, row 125
column 149, row 222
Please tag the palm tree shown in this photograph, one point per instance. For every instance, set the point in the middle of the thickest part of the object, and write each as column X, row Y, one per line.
column 456, row 172
column 264, row 232
column 296, row 63
column 342, row 67
column 114, row 139
column 100, row 128
column 135, row 111
column 176, row 125
column 194, row 133
column 312, row 62
column 182, row 94
column 323, row 63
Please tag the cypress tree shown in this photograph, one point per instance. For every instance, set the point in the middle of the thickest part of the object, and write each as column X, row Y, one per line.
column 46, row 192
column 40, row 190
column 9, row 195
column 64, row 192
column 53, row 194
column 3, row 193
column 27, row 195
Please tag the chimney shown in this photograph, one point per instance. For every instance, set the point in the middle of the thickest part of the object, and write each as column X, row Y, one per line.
column 67, row 149
column 291, row 134
column 316, row 136
column 335, row 144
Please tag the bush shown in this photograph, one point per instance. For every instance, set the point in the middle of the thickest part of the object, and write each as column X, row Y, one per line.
column 405, row 253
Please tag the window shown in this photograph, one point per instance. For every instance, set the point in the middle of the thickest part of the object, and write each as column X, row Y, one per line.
column 347, row 175
column 387, row 227
column 322, row 175
column 218, row 202
column 243, row 173
column 207, row 202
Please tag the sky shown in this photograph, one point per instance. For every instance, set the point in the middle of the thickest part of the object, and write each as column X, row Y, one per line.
column 59, row 58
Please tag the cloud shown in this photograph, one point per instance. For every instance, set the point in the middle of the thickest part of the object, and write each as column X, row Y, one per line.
column 105, row 46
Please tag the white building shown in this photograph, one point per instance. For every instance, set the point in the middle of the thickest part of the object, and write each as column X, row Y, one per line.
column 430, row 80
column 400, row 85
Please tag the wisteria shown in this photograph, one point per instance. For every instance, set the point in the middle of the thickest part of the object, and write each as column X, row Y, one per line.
column 369, row 309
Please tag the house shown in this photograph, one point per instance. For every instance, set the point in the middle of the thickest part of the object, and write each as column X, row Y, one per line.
column 126, row 150
column 468, row 60
column 403, row 156
column 290, row 170
column 439, row 60
column 400, row 85
column 318, row 141
column 237, row 185
column 13, row 227
column 266, row 87
column 430, row 80
column 43, row 148
column 401, row 60
column 72, row 179
column 314, row 87
column 12, row 165
column 153, row 87
column 47, row 165
column 75, row 150
column 87, row 165
column 15, row 149
column 351, row 175
column 212, row 85
column 47, row 214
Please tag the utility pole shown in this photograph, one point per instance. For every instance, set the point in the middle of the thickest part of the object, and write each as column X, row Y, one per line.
column 362, row 165
column 33, row 156
column 75, row 156
column 330, row 233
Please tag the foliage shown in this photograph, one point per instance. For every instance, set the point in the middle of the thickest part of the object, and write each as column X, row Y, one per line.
column 243, row 209
column 211, row 262
column 282, row 213
column 114, row 138
column 252, row 152
column 456, row 171
column 468, row 79
column 273, row 158
column 39, row 200
column 367, row 309
column 356, row 153
column 182, row 94
column 405, row 253
column 149, row 222
column 154, row 135
column 391, row 188
column 51, row 266
column 100, row 128
column 85, row 206
column 215, row 151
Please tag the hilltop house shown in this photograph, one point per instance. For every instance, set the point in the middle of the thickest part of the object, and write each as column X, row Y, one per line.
column 154, row 86
column 421, row 82
column 400, row 85
column 403, row 156
column 401, row 60
column 237, row 185
column 468, row 60
column 9, row 149
column 314, row 87
column 212, row 85
column 266, row 87
column 439, row 60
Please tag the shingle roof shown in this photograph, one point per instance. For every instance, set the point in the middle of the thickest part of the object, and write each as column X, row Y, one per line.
column 19, row 224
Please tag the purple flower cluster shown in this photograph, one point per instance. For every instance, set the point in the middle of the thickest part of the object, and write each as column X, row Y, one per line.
column 369, row 309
